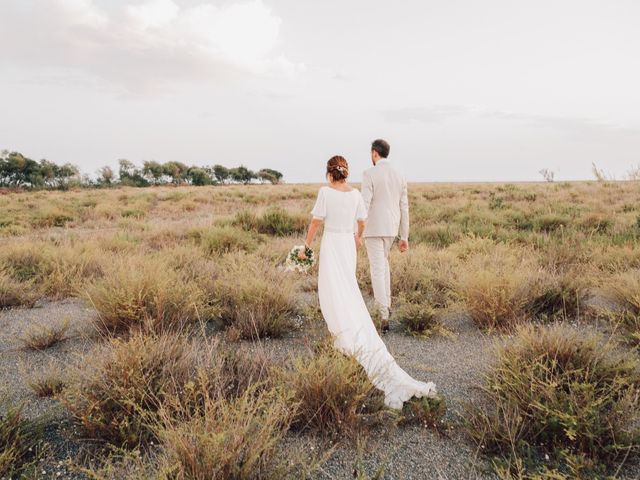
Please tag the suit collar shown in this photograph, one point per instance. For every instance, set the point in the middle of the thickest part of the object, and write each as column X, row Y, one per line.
column 382, row 161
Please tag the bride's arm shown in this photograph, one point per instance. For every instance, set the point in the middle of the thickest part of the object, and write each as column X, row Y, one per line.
column 361, row 224
column 311, row 234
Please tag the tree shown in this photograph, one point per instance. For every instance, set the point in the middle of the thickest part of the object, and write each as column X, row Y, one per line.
column 175, row 170
column 599, row 174
column 548, row 175
column 242, row 174
column 221, row 173
column 269, row 175
column 152, row 171
column 634, row 173
column 198, row 176
column 130, row 175
column 105, row 175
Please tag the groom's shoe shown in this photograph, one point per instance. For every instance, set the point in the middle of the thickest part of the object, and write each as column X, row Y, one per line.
column 384, row 325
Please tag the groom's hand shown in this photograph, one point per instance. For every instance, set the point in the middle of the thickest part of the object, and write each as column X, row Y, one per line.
column 358, row 239
column 404, row 245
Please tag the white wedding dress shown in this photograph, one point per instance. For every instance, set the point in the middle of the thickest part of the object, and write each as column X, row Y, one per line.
column 341, row 302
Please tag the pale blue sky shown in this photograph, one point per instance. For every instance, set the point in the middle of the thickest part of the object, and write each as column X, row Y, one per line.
column 463, row 90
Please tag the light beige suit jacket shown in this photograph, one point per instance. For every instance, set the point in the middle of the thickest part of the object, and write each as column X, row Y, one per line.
column 384, row 191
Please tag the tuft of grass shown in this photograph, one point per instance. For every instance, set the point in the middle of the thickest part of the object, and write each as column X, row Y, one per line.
column 560, row 296
column 559, row 392
column 48, row 383
column 335, row 397
column 423, row 275
column 497, row 287
column 550, row 223
column 51, row 216
column 418, row 319
column 222, row 240
column 145, row 292
column 14, row 293
column 230, row 438
column 124, row 393
column 274, row 221
column 19, row 441
column 41, row 337
column 624, row 288
column 427, row 411
column 256, row 299
column 23, row 262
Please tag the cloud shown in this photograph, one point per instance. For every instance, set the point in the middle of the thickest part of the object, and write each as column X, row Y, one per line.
column 566, row 124
column 144, row 45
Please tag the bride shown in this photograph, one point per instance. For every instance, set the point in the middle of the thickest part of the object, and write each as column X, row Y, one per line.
column 343, row 212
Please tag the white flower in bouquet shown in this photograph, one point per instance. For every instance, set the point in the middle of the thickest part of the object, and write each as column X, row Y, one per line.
column 295, row 263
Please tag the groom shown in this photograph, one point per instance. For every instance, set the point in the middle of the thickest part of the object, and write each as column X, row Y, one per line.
column 384, row 191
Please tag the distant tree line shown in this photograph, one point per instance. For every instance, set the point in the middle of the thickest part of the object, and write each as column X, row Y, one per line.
column 19, row 171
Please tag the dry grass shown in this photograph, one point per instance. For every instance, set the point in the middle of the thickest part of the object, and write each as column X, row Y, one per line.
column 19, row 441
column 166, row 259
column 14, row 293
column 230, row 438
column 335, row 397
column 121, row 393
column 624, row 288
column 221, row 240
column 262, row 304
column 48, row 383
column 497, row 287
column 41, row 337
column 145, row 292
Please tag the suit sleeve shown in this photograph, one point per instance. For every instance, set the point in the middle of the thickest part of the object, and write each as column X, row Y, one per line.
column 404, row 212
column 361, row 211
column 367, row 190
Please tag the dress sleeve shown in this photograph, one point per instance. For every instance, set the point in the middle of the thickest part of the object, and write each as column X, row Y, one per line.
column 320, row 208
column 361, row 211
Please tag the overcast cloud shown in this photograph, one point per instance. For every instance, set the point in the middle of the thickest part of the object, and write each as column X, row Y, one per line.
column 463, row 90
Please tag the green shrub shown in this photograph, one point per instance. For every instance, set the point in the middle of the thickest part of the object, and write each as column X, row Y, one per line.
column 559, row 392
column 274, row 221
column 550, row 223
column 419, row 319
column 594, row 223
column 427, row 411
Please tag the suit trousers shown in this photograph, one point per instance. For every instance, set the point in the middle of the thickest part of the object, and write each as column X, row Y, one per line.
column 378, row 249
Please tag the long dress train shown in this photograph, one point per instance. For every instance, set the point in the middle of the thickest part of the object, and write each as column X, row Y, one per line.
column 342, row 305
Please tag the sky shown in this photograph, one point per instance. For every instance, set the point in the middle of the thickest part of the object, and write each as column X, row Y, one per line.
column 463, row 90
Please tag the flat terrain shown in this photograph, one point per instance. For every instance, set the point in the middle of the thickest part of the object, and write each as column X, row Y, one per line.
column 65, row 255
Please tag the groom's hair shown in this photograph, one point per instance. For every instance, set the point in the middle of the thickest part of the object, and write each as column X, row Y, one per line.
column 381, row 146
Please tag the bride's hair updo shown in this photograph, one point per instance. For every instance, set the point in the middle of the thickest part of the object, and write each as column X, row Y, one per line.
column 337, row 169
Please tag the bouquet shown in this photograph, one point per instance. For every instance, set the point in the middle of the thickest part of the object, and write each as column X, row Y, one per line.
column 295, row 263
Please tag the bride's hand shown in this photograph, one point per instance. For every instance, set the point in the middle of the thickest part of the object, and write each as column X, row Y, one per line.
column 302, row 255
column 358, row 241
